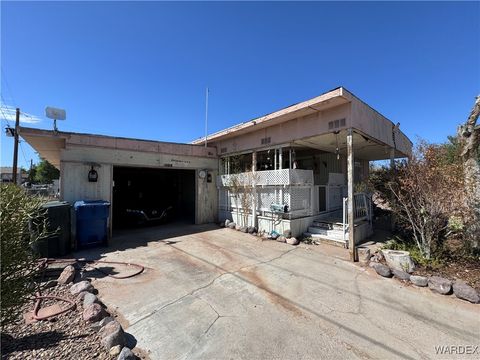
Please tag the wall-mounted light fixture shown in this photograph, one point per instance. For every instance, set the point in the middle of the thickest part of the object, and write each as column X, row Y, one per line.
column 92, row 175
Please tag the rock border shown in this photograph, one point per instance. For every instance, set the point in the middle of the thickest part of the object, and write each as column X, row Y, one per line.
column 436, row 284
column 113, row 337
column 286, row 237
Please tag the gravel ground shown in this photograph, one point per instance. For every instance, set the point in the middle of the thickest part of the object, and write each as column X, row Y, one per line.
column 67, row 336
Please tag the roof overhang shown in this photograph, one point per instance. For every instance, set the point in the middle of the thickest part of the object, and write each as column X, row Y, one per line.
column 364, row 147
column 47, row 144
column 325, row 101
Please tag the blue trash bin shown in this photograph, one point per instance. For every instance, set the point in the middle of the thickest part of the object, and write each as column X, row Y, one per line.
column 91, row 223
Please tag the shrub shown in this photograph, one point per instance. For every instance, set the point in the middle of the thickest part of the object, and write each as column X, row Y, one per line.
column 22, row 222
column 426, row 196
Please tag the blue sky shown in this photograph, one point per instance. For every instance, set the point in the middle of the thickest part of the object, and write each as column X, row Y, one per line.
column 140, row 69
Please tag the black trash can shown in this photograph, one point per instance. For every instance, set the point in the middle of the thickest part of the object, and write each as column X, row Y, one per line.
column 59, row 226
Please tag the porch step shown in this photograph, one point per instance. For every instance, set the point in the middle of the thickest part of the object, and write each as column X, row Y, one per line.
column 330, row 233
column 328, row 225
column 327, row 239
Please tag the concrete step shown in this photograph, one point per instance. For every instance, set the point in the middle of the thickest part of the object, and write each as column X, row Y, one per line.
column 328, row 225
column 331, row 233
column 327, row 239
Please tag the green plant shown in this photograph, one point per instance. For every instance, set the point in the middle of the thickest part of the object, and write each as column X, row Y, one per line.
column 397, row 243
column 45, row 172
column 22, row 222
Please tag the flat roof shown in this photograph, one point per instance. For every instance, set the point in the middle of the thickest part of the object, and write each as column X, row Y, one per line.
column 49, row 143
column 324, row 101
column 339, row 95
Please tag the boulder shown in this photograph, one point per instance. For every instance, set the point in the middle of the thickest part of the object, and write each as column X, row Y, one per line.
column 50, row 284
column 227, row 221
column 243, row 229
column 67, row 275
column 280, row 239
column 89, row 299
column 112, row 335
column 222, row 224
column 399, row 260
column 115, row 350
column 439, row 285
column 237, row 227
column 231, row 225
column 420, row 281
column 377, row 257
column 77, row 288
column 287, row 233
column 106, row 320
column 252, row 229
column 81, row 296
column 99, row 324
column 292, row 241
column 274, row 235
column 465, row 292
column 363, row 255
column 401, row 275
column 126, row 354
column 93, row 313
column 382, row 270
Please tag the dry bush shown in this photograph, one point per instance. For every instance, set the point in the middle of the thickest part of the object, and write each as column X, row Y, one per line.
column 426, row 196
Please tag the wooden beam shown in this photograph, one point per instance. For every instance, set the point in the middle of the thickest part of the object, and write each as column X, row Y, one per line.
column 351, row 217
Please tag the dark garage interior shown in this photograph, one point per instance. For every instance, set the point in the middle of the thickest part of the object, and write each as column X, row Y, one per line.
column 146, row 196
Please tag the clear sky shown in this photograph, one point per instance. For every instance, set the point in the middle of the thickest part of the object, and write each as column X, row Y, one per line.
column 140, row 69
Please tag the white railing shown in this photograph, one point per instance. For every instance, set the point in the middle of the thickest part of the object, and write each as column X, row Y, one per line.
column 362, row 210
column 269, row 178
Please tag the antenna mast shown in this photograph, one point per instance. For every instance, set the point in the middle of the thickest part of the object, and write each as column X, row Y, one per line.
column 206, row 116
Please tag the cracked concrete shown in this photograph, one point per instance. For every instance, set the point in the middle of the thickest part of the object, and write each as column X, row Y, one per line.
column 210, row 293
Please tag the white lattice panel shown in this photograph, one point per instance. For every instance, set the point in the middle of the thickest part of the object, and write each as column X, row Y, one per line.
column 269, row 178
column 300, row 198
column 266, row 197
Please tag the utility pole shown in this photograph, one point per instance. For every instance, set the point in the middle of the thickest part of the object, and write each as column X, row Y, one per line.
column 15, row 146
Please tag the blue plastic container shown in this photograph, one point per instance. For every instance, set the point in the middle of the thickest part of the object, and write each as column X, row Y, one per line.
column 91, row 222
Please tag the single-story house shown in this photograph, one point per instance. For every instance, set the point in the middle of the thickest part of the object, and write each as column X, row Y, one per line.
column 6, row 175
column 300, row 168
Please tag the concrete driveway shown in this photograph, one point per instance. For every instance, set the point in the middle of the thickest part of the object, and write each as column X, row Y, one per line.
column 211, row 293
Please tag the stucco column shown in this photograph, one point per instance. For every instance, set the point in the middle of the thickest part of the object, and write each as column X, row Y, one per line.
column 351, row 216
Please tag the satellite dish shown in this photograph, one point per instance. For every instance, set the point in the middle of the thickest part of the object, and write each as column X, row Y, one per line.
column 55, row 114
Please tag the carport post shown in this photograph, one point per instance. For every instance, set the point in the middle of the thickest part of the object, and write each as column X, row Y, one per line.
column 254, row 190
column 351, row 218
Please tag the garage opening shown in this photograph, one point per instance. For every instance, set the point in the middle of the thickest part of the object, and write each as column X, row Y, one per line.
column 145, row 196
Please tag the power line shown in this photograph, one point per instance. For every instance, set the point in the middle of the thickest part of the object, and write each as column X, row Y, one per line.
column 4, row 77
column 23, row 153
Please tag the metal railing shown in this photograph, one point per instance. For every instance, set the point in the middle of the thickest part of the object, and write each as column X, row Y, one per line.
column 362, row 210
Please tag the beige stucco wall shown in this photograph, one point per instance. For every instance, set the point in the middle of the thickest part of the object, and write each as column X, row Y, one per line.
column 286, row 132
column 76, row 162
column 357, row 115
column 372, row 123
